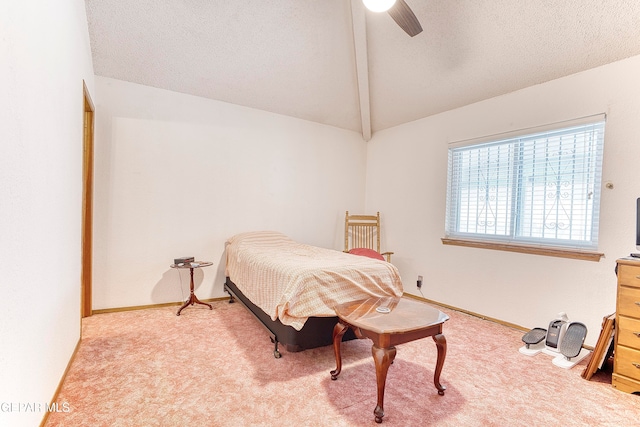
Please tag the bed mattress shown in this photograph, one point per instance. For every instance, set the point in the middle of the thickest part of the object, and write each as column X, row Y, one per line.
column 292, row 281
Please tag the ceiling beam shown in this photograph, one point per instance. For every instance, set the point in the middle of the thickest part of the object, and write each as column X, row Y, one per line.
column 358, row 23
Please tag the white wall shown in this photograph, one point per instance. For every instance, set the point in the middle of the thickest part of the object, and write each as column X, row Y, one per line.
column 176, row 175
column 45, row 55
column 406, row 181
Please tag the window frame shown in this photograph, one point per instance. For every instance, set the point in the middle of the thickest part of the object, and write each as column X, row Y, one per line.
column 585, row 248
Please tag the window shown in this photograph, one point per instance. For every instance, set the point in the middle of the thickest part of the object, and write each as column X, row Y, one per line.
column 542, row 188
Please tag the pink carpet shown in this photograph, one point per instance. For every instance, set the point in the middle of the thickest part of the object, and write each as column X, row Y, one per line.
column 216, row 368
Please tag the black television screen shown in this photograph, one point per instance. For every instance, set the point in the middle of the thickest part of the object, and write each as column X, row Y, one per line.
column 638, row 223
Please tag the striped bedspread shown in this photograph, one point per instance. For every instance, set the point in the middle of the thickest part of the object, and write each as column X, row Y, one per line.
column 292, row 281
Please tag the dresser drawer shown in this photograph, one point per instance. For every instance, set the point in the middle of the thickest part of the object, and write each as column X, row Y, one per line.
column 627, row 362
column 628, row 331
column 629, row 302
column 625, row 384
column 629, row 275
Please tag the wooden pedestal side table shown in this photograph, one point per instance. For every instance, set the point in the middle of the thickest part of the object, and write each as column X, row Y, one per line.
column 387, row 322
column 192, row 297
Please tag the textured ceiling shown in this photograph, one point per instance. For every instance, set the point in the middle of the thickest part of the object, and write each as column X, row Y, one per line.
column 298, row 57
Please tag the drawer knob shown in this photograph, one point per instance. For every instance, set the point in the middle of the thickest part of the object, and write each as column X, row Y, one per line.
column 637, row 365
column 637, row 303
column 637, row 334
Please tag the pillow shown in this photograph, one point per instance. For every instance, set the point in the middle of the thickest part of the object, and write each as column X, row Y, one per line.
column 366, row 252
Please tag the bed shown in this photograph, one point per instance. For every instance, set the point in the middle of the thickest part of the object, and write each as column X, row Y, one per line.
column 291, row 287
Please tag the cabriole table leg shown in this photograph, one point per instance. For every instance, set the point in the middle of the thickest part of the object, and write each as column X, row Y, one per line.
column 383, row 357
column 441, row 344
column 338, row 333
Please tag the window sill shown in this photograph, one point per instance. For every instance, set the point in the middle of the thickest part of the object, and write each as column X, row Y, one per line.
column 526, row 249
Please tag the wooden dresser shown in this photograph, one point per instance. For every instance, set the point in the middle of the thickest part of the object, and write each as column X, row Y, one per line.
column 626, row 362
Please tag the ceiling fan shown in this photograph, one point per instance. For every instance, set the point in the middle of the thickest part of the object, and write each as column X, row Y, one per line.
column 399, row 11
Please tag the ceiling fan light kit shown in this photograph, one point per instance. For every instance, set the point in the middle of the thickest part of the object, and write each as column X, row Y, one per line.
column 378, row 5
column 400, row 11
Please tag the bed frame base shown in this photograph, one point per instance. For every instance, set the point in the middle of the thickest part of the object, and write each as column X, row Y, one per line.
column 274, row 338
column 317, row 331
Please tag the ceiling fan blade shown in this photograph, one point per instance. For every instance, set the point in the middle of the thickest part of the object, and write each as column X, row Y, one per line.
column 405, row 18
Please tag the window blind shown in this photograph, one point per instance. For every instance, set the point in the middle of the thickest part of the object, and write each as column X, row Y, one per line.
column 537, row 188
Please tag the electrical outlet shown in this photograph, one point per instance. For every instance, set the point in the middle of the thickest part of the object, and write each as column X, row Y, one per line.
column 419, row 284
